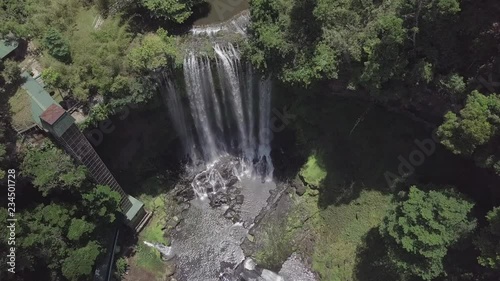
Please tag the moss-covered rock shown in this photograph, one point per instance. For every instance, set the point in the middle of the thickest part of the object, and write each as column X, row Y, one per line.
column 312, row 173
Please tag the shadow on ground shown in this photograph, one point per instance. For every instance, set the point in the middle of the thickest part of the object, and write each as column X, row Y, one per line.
column 372, row 261
column 361, row 145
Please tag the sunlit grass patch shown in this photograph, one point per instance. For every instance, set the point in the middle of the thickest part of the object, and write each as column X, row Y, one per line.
column 312, row 172
column 341, row 232
column 149, row 259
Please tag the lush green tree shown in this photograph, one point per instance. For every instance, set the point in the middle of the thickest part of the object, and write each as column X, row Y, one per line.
column 14, row 15
column 174, row 10
column 365, row 44
column 474, row 131
column 80, row 262
column 52, row 169
column 79, row 228
column 57, row 46
column 41, row 234
column 11, row 72
column 98, row 60
column 488, row 241
column 102, row 203
column 52, row 78
column 121, row 267
column 283, row 43
column 154, row 51
column 49, row 236
column 453, row 83
column 421, row 229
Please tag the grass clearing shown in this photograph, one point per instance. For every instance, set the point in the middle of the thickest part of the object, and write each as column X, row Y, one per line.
column 312, row 172
column 341, row 233
column 20, row 108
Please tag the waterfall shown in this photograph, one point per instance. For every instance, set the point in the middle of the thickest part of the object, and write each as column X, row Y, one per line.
column 176, row 111
column 228, row 114
column 166, row 251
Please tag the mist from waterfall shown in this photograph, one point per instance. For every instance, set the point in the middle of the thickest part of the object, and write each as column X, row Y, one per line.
column 229, row 114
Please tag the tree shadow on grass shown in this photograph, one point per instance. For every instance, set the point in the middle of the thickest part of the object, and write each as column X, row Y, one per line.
column 360, row 145
column 372, row 262
column 363, row 146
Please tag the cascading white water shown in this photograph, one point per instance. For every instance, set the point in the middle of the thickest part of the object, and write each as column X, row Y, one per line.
column 176, row 110
column 229, row 110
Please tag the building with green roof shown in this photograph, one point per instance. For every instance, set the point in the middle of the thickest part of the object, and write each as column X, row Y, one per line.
column 52, row 118
column 7, row 47
column 40, row 99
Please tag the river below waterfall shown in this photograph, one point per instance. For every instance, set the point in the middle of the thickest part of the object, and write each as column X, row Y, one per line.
column 207, row 242
column 221, row 10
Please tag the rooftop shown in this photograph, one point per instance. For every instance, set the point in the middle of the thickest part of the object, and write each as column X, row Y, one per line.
column 52, row 114
column 136, row 206
column 40, row 99
column 7, row 47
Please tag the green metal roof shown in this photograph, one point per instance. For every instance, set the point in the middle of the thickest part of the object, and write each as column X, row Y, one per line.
column 6, row 47
column 136, row 206
column 40, row 99
column 63, row 124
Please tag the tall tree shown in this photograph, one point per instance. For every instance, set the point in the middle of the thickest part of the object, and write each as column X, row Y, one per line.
column 174, row 10
column 57, row 46
column 52, row 169
column 488, row 241
column 80, row 262
column 421, row 229
column 474, row 131
column 155, row 51
column 11, row 72
column 103, row 204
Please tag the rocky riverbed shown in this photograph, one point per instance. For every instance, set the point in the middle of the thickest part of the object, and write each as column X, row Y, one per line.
column 213, row 237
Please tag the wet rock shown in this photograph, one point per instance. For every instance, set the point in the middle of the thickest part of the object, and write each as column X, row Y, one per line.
column 172, row 223
column 185, row 206
column 230, row 213
column 218, row 199
column 178, row 228
column 294, row 268
column 251, row 238
column 247, row 224
column 232, row 181
column 236, row 218
column 236, row 207
column 299, row 186
column 239, row 199
column 183, row 193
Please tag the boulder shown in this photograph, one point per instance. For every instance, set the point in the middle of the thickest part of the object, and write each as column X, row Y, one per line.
column 239, row 199
column 232, row 181
column 299, row 186
column 251, row 238
column 230, row 213
column 218, row 199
